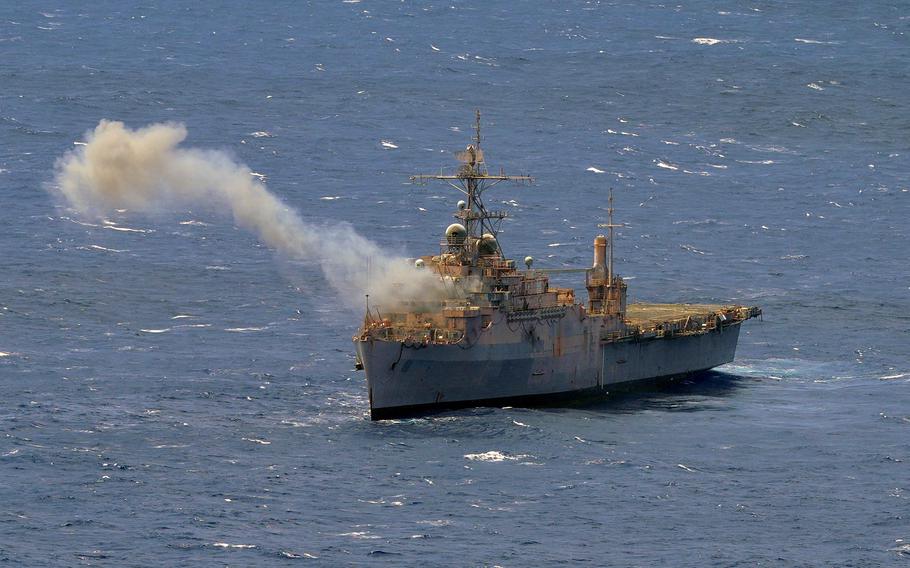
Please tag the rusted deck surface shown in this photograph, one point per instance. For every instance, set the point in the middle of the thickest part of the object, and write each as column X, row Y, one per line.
column 647, row 315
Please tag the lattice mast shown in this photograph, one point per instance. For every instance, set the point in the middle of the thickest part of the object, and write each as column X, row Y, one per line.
column 472, row 179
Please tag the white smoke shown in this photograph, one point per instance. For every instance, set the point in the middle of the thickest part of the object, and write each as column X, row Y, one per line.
column 146, row 171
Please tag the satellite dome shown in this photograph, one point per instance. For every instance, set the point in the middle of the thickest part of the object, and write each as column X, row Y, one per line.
column 456, row 234
column 488, row 245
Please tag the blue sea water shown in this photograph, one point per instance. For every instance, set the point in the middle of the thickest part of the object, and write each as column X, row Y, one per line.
column 174, row 393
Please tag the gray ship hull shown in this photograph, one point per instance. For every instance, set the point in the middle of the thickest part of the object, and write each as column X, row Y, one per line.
column 557, row 362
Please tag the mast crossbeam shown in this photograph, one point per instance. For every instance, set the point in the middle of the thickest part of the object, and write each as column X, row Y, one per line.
column 428, row 177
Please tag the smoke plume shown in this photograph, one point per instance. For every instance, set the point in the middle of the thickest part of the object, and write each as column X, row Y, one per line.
column 146, row 171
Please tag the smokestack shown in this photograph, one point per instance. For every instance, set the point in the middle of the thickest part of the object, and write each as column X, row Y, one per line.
column 600, row 253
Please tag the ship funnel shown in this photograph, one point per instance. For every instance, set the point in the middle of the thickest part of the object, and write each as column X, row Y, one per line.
column 600, row 252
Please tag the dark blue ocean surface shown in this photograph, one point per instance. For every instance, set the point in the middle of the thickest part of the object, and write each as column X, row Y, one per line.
column 174, row 393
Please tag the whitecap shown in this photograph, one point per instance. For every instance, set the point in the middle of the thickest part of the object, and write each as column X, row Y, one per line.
column 433, row 47
column 666, row 165
column 903, row 549
column 388, row 144
column 261, row 134
column 164, row 330
column 892, row 377
column 814, row 41
column 772, row 149
column 494, row 456
column 99, row 247
column 690, row 248
column 257, row 441
column 330, row 197
column 685, row 467
column 288, row 553
column 435, row 522
column 360, row 535
column 194, row 223
column 815, row 86
column 245, row 329
column 181, row 316
column 595, row 170
column 229, row 545
column 708, row 41
column 127, row 229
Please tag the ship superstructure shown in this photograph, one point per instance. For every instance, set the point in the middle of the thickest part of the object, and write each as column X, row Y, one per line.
column 501, row 335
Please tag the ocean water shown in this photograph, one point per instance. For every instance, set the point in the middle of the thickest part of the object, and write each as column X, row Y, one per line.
column 172, row 392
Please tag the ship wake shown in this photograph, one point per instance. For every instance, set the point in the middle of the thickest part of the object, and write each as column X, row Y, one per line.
column 147, row 171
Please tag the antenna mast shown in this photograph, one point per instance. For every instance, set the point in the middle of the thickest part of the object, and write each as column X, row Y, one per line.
column 472, row 179
column 610, row 225
column 610, row 221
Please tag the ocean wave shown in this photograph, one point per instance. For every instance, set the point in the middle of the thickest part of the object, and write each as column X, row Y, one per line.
column 815, row 41
column 495, row 456
column 692, row 249
column 128, row 229
column 893, row 377
column 711, row 41
column 101, row 248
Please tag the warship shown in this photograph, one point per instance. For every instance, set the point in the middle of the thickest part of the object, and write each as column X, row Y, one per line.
column 503, row 336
